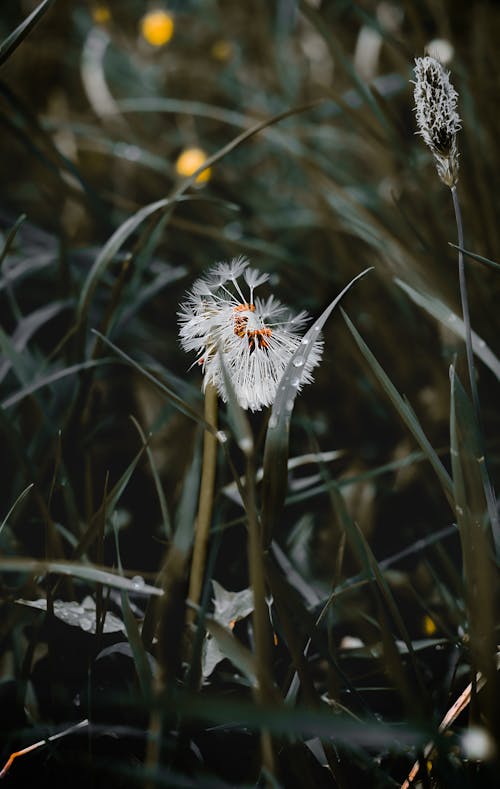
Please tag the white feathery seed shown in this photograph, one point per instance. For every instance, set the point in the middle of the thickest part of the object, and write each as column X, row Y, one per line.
column 255, row 337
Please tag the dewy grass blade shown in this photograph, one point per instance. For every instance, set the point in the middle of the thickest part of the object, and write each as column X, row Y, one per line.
column 101, row 575
column 10, row 44
column 274, row 482
column 451, row 321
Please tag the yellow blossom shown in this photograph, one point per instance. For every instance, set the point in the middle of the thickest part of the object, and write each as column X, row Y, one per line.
column 429, row 626
column 101, row 14
column 189, row 161
column 157, row 27
column 222, row 50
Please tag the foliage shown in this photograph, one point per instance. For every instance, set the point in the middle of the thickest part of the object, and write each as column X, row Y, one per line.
column 349, row 584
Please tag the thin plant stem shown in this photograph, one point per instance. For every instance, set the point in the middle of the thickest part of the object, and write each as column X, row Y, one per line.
column 487, row 485
column 205, row 505
column 260, row 612
column 465, row 305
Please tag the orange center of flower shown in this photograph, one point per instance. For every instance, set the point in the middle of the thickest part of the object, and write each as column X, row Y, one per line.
column 241, row 328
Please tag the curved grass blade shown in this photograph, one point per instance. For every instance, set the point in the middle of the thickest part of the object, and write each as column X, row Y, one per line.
column 49, row 379
column 11, row 236
column 274, row 481
column 17, row 501
column 176, row 401
column 448, row 318
column 109, row 250
column 94, row 573
column 28, row 326
column 405, row 412
column 10, row 44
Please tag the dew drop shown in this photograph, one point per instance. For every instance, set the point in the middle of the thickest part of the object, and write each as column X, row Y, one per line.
column 138, row 582
column 295, row 382
column 452, row 318
column 305, row 341
column 481, row 344
column 273, row 422
column 459, row 510
column 85, row 623
column 221, row 437
column 289, row 405
column 299, row 362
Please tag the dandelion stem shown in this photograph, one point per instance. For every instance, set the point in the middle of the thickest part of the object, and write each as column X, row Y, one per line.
column 487, row 485
column 260, row 614
column 205, row 506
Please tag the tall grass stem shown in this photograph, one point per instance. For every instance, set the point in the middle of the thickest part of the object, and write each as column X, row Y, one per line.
column 488, row 487
column 205, row 506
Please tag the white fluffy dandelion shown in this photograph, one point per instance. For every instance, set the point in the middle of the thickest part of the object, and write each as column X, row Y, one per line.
column 256, row 338
column 437, row 117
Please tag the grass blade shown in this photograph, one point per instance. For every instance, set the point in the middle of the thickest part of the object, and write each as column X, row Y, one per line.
column 10, row 44
column 448, row 318
column 99, row 575
column 274, row 481
column 405, row 412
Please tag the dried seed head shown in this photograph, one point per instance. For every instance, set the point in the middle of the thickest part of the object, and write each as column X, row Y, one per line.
column 437, row 117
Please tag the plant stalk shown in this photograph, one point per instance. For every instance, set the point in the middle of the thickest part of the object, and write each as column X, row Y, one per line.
column 205, row 505
column 487, row 485
column 260, row 613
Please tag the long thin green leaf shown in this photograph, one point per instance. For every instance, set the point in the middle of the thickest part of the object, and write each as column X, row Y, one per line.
column 481, row 579
column 17, row 501
column 156, row 478
column 451, row 320
column 109, row 250
column 477, row 257
column 49, row 379
column 139, row 653
column 274, row 481
column 405, row 412
column 176, row 401
column 100, row 575
column 10, row 44
column 10, row 237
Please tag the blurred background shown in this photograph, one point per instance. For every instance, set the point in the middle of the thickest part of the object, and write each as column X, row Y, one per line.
column 106, row 108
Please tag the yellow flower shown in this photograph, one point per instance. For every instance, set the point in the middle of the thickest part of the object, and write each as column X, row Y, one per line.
column 101, row 14
column 429, row 626
column 157, row 27
column 222, row 50
column 189, row 161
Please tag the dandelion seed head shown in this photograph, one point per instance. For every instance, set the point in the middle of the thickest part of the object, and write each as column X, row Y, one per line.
column 437, row 118
column 255, row 338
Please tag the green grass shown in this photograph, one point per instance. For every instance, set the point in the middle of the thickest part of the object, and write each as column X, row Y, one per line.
column 360, row 513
